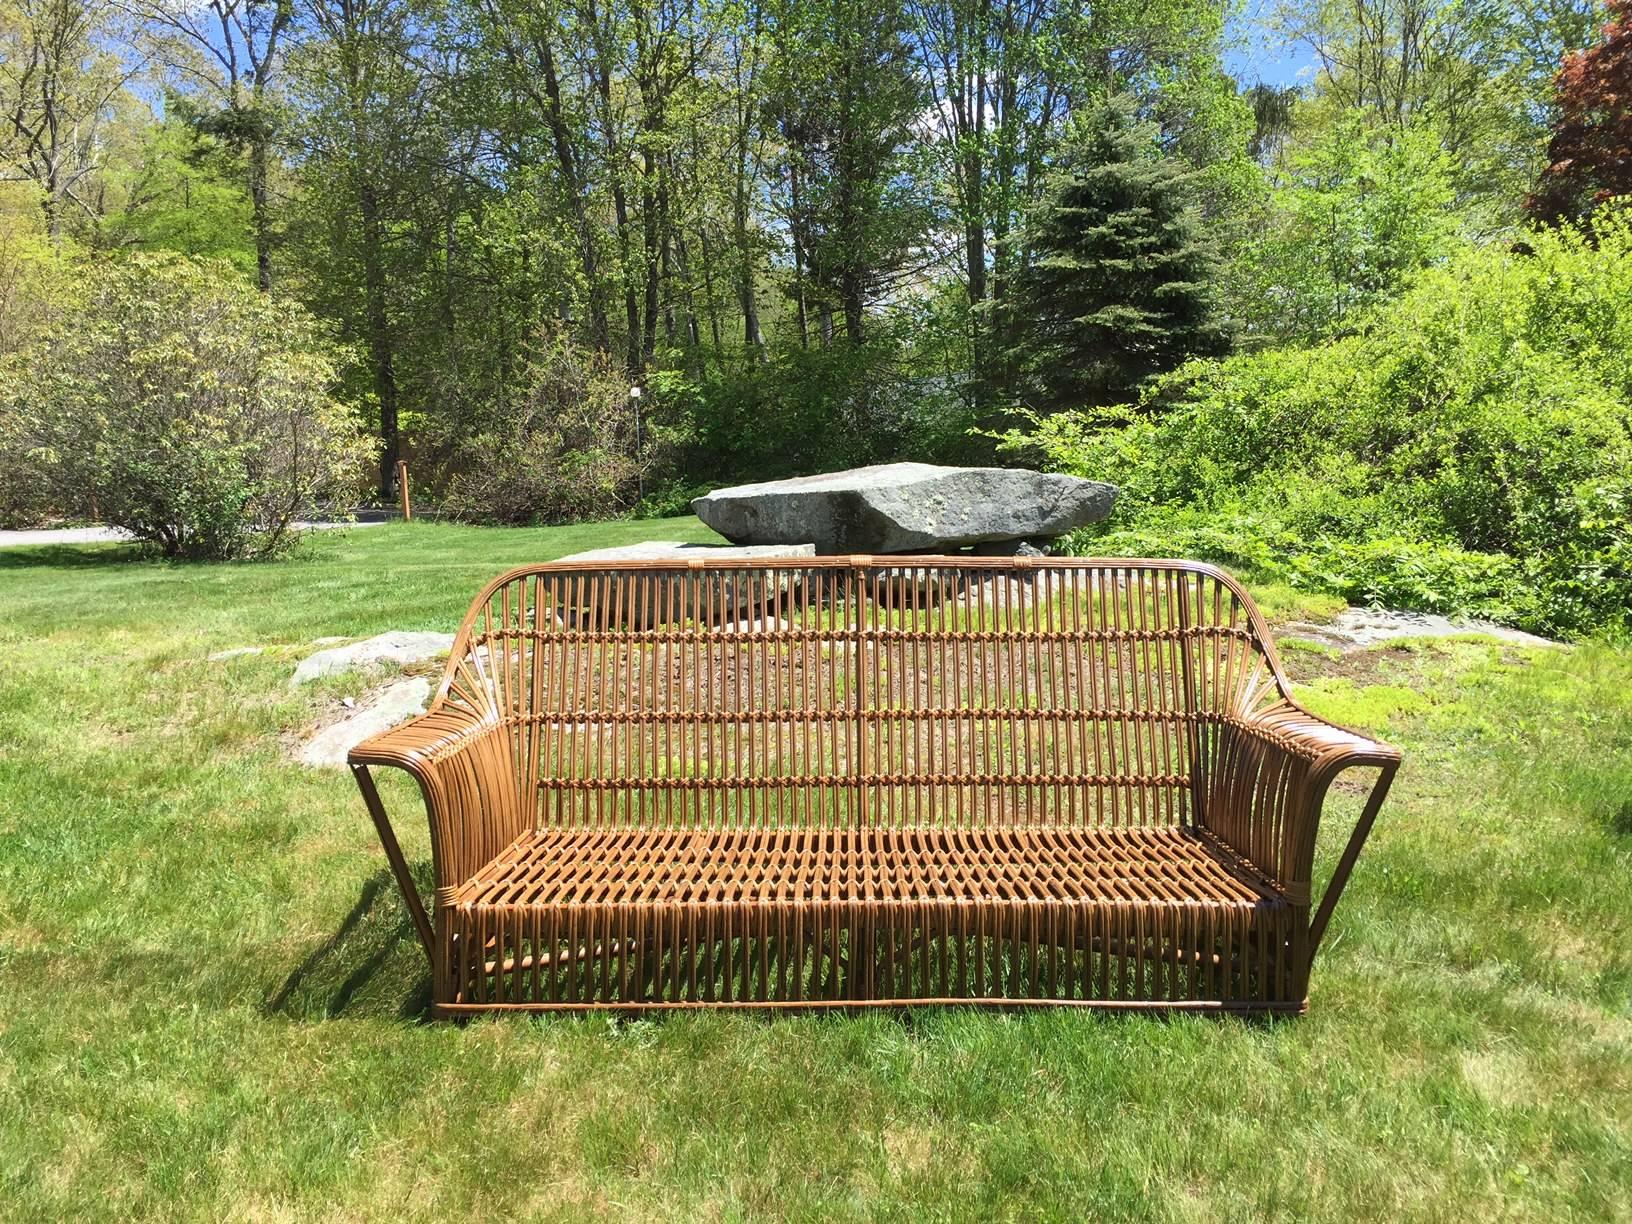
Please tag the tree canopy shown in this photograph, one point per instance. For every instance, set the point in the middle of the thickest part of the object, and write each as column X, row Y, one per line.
column 810, row 233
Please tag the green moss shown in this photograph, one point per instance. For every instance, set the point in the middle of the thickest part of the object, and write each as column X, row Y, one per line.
column 1373, row 706
column 1293, row 645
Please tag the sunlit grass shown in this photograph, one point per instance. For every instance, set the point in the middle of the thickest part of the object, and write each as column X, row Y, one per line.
column 210, row 996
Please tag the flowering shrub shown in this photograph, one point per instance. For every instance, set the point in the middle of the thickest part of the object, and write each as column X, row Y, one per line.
column 179, row 403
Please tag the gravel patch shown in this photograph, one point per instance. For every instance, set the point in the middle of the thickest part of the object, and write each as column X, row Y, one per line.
column 1357, row 628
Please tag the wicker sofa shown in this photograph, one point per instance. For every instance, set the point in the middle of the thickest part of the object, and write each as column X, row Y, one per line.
column 861, row 781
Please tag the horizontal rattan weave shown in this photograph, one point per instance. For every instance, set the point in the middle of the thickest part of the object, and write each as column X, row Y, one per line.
column 869, row 780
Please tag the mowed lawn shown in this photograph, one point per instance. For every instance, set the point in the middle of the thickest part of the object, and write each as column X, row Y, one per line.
column 210, row 995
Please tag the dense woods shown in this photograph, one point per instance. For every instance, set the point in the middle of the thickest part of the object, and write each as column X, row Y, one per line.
column 811, row 234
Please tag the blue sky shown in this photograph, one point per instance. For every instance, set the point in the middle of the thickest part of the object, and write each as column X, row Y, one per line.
column 1263, row 57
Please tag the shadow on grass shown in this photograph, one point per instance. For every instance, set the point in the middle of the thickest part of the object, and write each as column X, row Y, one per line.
column 342, row 975
column 73, row 556
column 1620, row 820
column 373, row 966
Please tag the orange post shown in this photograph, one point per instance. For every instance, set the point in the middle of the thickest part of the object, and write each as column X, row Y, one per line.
column 402, row 489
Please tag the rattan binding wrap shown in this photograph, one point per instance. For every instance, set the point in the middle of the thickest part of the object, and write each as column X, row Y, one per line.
column 855, row 781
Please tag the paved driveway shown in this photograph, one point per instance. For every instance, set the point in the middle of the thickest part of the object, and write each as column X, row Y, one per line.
column 110, row 535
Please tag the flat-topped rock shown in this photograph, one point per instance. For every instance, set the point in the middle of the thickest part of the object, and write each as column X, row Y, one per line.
column 674, row 550
column 236, row 652
column 383, row 709
column 905, row 508
column 1356, row 628
column 735, row 596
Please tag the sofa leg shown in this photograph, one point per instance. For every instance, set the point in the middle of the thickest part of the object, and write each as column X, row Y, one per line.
column 393, row 854
column 1351, row 852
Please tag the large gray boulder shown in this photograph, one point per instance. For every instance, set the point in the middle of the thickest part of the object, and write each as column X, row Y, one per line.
column 905, row 508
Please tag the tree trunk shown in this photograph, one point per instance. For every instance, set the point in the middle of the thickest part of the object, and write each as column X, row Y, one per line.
column 694, row 336
column 709, row 299
column 572, row 179
column 616, row 165
column 798, row 258
column 631, row 303
column 852, row 309
column 259, row 168
column 450, row 275
column 379, row 339
column 668, row 281
column 974, row 234
column 746, row 298
column 51, row 206
column 651, row 244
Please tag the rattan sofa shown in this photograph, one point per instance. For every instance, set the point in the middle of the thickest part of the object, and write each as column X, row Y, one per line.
column 869, row 781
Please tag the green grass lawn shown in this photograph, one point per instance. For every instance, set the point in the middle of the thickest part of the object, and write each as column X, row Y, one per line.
column 210, row 994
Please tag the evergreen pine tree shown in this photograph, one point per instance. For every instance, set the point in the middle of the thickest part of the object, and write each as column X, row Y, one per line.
column 1120, row 282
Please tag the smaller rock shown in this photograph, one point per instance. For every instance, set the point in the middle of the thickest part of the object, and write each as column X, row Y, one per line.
column 382, row 710
column 397, row 647
column 737, row 593
column 921, row 586
column 766, row 624
column 236, row 652
column 1014, row 548
column 1002, row 591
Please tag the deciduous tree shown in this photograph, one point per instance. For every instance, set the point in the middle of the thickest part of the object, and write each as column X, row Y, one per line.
column 844, row 98
column 231, row 50
column 59, row 79
column 1590, row 154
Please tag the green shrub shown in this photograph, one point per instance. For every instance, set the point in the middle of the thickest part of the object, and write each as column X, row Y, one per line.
column 811, row 410
column 1468, row 449
column 565, row 452
column 668, row 499
column 1389, row 571
column 38, row 281
column 184, row 406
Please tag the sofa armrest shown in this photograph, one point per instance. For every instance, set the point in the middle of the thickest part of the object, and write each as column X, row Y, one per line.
column 1307, row 735
column 467, row 775
column 1260, row 786
column 419, row 743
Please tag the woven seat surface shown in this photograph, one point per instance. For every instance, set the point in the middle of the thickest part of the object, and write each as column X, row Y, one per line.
column 629, row 867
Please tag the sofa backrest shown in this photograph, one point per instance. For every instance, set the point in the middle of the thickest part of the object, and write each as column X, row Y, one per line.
column 853, row 691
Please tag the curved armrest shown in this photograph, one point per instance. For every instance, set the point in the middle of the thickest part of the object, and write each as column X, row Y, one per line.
column 1326, row 745
column 466, row 770
column 419, row 743
column 1262, row 788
